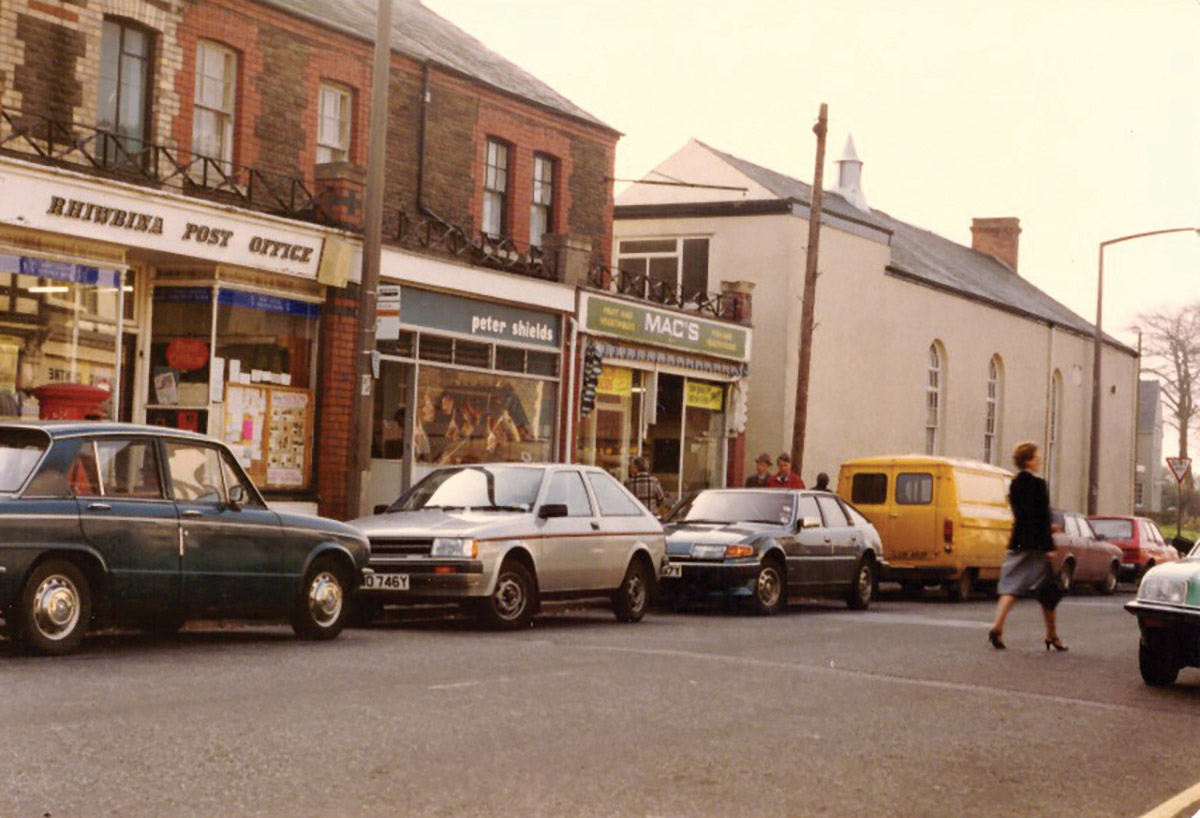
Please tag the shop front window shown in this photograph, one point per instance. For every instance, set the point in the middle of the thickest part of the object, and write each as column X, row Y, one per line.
column 476, row 417
column 704, row 435
column 266, row 346
column 661, row 445
column 609, row 434
column 391, row 411
column 59, row 328
column 181, row 329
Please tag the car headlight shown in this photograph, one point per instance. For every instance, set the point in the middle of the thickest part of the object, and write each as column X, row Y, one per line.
column 708, row 552
column 1164, row 589
column 454, row 547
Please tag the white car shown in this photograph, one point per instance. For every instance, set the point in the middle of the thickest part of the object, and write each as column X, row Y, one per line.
column 500, row 538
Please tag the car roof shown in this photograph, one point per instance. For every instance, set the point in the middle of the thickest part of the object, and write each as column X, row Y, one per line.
column 73, row 428
column 927, row 460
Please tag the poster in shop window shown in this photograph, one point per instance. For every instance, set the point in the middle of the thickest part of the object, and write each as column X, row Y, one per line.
column 268, row 429
column 705, row 396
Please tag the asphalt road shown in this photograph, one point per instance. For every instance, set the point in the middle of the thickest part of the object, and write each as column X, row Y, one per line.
column 899, row 711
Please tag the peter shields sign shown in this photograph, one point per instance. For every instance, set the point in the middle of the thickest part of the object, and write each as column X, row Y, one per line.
column 645, row 324
column 148, row 219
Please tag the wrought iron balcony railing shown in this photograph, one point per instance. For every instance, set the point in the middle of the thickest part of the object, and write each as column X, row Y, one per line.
column 722, row 306
column 436, row 235
column 71, row 144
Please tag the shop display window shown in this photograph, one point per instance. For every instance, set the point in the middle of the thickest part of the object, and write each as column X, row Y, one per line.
column 609, row 434
column 59, row 335
column 474, row 417
column 265, row 338
column 391, row 411
column 181, row 332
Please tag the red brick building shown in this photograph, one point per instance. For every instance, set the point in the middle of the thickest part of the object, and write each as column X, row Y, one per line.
column 196, row 181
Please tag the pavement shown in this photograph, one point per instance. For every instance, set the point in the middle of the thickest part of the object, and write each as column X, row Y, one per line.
column 902, row 710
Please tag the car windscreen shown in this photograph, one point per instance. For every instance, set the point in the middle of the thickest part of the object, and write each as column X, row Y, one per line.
column 20, row 450
column 499, row 488
column 1113, row 529
column 737, row 507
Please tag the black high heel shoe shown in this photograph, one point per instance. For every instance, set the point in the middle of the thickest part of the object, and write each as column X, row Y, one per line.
column 996, row 641
column 1057, row 644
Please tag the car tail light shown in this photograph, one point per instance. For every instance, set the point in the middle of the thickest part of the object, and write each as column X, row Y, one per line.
column 948, row 533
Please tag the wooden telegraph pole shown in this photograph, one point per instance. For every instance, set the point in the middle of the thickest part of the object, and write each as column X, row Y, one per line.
column 800, row 424
column 364, row 380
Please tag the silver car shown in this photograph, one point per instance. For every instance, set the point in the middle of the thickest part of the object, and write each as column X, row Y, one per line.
column 500, row 538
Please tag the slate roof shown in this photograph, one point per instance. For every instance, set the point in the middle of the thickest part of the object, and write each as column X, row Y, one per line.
column 421, row 34
column 927, row 257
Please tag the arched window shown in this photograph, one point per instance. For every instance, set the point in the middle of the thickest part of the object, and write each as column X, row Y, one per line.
column 935, row 378
column 993, row 411
column 1052, row 428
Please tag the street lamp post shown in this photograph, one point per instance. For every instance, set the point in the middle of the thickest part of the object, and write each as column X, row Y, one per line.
column 1094, row 453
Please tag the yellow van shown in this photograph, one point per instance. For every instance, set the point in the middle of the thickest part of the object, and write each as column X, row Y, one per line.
column 943, row 521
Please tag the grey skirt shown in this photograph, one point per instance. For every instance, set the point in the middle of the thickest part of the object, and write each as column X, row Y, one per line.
column 1023, row 573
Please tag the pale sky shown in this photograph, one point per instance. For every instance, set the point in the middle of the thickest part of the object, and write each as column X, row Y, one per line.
column 1080, row 118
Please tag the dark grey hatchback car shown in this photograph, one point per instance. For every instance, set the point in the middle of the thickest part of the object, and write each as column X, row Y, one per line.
column 124, row 524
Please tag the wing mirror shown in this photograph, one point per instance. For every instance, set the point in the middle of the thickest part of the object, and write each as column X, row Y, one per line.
column 237, row 496
column 380, row 509
column 810, row 522
column 549, row 510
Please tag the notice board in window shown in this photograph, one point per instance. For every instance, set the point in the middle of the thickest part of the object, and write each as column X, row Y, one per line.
column 269, row 429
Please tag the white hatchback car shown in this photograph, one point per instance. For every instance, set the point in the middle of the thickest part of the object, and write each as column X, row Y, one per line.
column 500, row 538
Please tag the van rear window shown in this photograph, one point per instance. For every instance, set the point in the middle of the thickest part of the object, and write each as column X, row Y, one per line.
column 868, row 489
column 914, row 489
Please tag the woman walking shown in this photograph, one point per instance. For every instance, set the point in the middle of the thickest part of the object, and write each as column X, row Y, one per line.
column 1026, row 570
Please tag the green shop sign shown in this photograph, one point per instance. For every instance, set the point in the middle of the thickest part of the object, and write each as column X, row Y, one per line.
column 625, row 319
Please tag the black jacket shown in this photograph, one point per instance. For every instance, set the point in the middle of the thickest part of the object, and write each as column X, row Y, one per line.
column 1030, row 501
column 756, row 482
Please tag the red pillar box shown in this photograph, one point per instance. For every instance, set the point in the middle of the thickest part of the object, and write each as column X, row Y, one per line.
column 70, row 401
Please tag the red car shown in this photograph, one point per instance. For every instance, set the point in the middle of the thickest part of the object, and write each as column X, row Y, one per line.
column 1140, row 541
column 1080, row 557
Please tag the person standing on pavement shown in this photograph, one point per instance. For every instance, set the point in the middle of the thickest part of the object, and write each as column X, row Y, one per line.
column 644, row 485
column 785, row 478
column 1026, row 570
column 822, row 482
column 761, row 478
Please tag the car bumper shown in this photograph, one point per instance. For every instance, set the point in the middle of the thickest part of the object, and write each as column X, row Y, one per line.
column 1158, row 615
column 728, row 578
column 915, row 573
column 430, row 581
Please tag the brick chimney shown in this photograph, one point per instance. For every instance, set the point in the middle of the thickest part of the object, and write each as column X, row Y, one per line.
column 998, row 238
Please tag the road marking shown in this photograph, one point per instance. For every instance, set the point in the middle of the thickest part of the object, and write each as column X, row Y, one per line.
column 498, row 680
column 866, row 675
column 1169, row 809
column 876, row 617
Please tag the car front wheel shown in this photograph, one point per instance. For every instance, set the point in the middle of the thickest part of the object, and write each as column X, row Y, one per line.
column 770, row 593
column 511, row 605
column 633, row 597
column 322, row 609
column 56, row 606
column 1156, row 659
column 858, row 598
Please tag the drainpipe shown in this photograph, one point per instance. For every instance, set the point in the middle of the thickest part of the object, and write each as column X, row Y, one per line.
column 569, row 443
column 426, row 96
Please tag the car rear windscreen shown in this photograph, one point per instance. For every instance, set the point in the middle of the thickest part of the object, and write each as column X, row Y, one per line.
column 1113, row 529
column 868, row 489
column 20, row 450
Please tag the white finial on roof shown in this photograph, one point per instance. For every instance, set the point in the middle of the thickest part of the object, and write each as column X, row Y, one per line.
column 849, row 185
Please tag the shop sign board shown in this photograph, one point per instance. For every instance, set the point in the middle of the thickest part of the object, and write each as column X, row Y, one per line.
column 387, row 312
column 154, row 221
column 426, row 309
column 659, row 327
column 615, row 380
column 702, row 395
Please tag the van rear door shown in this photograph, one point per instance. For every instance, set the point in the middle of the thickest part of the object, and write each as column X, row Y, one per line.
column 868, row 492
column 914, row 517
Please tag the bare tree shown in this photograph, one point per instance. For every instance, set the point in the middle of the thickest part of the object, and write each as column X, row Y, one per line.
column 1171, row 349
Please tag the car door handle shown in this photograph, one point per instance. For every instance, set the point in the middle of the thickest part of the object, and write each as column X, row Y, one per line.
column 99, row 507
column 595, row 526
column 829, row 539
column 191, row 512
